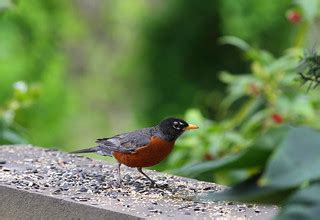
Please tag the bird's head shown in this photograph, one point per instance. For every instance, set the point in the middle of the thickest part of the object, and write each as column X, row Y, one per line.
column 172, row 128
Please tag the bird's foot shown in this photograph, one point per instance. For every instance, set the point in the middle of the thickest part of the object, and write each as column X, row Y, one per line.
column 153, row 184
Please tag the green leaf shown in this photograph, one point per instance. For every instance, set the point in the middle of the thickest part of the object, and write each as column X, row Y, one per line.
column 9, row 136
column 254, row 156
column 237, row 88
column 193, row 170
column 254, row 122
column 246, row 110
column 304, row 204
column 235, row 41
column 250, row 191
column 296, row 160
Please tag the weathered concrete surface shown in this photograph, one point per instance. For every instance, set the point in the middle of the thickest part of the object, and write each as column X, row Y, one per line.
column 38, row 183
column 21, row 204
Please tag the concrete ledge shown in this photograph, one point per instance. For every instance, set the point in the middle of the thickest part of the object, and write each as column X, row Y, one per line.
column 37, row 183
column 21, row 204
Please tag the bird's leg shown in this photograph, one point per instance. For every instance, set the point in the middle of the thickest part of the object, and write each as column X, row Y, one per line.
column 119, row 174
column 151, row 180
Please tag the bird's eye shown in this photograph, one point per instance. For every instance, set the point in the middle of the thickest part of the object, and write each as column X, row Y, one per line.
column 176, row 125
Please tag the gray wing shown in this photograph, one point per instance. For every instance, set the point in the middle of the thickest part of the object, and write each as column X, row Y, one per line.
column 125, row 143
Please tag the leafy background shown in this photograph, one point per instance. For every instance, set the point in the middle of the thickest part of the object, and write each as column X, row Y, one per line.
column 74, row 71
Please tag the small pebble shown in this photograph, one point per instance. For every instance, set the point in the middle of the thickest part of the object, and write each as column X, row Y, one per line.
column 209, row 188
column 80, row 199
column 83, row 189
column 65, row 186
column 58, row 191
column 196, row 209
column 155, row 211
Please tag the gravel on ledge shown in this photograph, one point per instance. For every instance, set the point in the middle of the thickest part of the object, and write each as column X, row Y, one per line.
column 93, row 182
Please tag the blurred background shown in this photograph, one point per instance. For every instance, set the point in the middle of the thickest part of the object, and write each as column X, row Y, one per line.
column 74, row 71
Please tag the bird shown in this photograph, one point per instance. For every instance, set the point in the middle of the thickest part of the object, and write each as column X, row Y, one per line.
column 142, row 148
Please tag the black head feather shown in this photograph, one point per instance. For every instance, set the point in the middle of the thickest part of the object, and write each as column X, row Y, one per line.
column 172, row 128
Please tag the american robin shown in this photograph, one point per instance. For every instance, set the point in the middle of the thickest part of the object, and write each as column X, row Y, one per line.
column 142, row 148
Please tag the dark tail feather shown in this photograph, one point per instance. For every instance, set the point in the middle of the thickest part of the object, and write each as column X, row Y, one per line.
column 88, row 150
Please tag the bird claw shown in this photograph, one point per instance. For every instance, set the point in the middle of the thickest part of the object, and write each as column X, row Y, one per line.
column 153, row 184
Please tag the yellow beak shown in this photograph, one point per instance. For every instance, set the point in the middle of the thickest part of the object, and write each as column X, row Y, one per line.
column 190, row 127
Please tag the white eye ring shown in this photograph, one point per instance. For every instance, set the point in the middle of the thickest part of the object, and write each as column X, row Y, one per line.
column 176, row 125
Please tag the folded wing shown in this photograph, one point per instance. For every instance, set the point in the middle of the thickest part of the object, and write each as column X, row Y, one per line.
column 125, row 143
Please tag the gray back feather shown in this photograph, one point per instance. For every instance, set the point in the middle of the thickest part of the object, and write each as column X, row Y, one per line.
column 125, row 143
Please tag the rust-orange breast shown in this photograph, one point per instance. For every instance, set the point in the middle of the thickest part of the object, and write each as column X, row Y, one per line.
column 146, row 156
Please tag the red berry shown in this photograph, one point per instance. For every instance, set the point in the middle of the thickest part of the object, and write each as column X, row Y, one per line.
column 294, row 16
column 277, row 118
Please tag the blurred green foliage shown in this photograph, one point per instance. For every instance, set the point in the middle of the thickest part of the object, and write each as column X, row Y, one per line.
column 275, row 164
column 284, row 166
column 255, row 102
column 178, row 57
column 269, row 95
column 30, row 50
column 257, row 22
column 24, row 96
